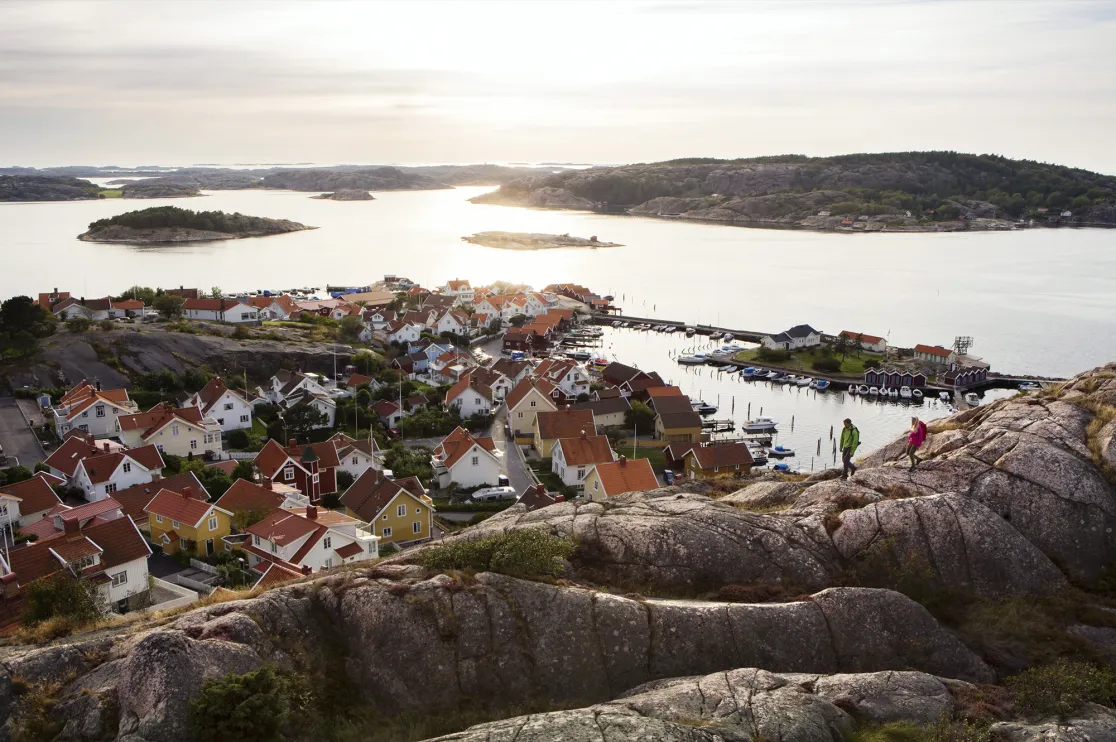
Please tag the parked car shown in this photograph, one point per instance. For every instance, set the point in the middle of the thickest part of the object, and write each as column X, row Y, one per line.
column 494, row 494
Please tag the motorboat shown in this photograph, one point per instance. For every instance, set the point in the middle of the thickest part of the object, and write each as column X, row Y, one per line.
column 972, row 399
column 748, row 373
column 759, row 456
column 893, row 393
column 695, row 360
column 728, row 337
column 852, row 389
column 779, row 452
column 703, row 408
column 690, row 332
column 944, row 396
column 787, row 379
column 1029, row 386
column 782, row 468
column 821, row 385
column 905, row 392
column 873, row 391
column 602, row 362
column 805, row 381
column 774, row 375
column 862, row 389
column 916, row 395
column 759, row 425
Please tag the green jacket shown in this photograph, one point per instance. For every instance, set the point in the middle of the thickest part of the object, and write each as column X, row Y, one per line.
column 850, row 439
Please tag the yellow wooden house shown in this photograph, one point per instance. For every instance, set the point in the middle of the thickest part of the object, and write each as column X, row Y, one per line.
column 181, row 522
column 397, row 510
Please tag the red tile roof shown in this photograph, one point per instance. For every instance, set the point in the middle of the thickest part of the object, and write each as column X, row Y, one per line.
column 120, row 540
column 35, row 495
column 276, row 574
column 864, row 337
column 583, row 451
column 565, row 423
column 284, row 527
column 178, row 507
column 372, row 492
column 349, row 550
column 134, row 499
column 933, row 350
column 245, row 495
column 524, row 387
column 664, row 391
column 536, row 496
column 271, row 458
column 626, row 475
column 718, row 456
column 458, row 443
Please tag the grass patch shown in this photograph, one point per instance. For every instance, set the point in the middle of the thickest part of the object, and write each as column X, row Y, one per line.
column 945, row 730
column 1061, row 688
column 31, row 720
column 111, row 193
column 525, row 554
column 803, row 360
column 1104, row 414
column 258, row 427
column 654, row 456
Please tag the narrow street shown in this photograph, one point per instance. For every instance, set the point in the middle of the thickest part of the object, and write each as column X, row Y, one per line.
column 15, row 435
column 518, row 475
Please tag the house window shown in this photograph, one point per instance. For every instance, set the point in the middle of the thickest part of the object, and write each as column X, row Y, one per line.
column 371, row 547
column 596, row 485
column 354, row 461
column 418, row 511
column 274, row 547
column 476, row 460
column 315, row 479
column 158, row 519
column 110, row 488
column 228, row 405
column 386, row 533
column 83, row 427
column 244, row 418
column 416, row 527
column 127, row 467
column 119, row 579
column 174, row 524
column 532, row 403
column 327, row 563
column 193, row 443
column 100, row 410
column 288, row 474
column 213, row 523
column 385, row 517
column 401, row 510
column 519, row 415
column 327, row 542
column 85, row 414
column 182, row 543
column 580, row 474
column 255, row 540
column 174, row 430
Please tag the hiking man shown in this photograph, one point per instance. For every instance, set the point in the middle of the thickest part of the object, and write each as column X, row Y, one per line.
column 915, row 440
column 850, row 441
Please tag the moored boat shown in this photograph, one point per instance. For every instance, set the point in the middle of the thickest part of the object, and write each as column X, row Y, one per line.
column 805, row 381
column 748, row 373
column 944, row 396
column 821, row 385
column 893, row 393
column 916, row 394
column 694, row 360
column 862, row 389
column 703, row 408
column 905, row 392
column 759, row 425
column 1029, row 386
column 873, row 391
column 779, row 452
column 690, row 332
column 972, row 399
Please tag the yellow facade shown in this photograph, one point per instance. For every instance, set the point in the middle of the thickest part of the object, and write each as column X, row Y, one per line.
column 522, row 418
column 677, row 435
column 693, row 471
column 393, row 528
column 190, row 439
column 200, row 535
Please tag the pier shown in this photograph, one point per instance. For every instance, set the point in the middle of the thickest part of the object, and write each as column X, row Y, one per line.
column 750, row 336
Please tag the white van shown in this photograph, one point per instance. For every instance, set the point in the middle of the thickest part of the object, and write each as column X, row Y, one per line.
column 493, row 494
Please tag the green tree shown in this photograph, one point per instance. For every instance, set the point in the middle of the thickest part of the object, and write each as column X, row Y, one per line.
column 409, row 462
column 22, row 324
column 251, row 708
column 146, row 294
column 367, row 362
column 518, row 320
column 215, row 481
column 640, row 416
column 170, row 306
column 62, row 596
column 78, row 324
column 16, row 474
column 344, row 480
column 215, row 292
column 841, row 346
column 244, row 470
column 351, row 327
column 303, row 418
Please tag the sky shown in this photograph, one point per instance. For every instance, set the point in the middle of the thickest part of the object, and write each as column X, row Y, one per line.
column 137, row 83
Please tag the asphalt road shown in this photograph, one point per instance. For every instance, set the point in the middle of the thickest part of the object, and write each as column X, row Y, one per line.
column 513, row 465
column 16, row 436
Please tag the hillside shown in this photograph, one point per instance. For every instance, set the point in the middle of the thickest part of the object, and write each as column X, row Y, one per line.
column 938, row 189
column 45, row 188
column 172, row 224
column 969, row 600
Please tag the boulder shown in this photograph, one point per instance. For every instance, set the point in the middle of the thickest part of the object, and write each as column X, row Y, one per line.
column 1092, row 723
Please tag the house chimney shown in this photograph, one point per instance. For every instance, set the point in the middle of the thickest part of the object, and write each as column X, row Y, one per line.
column 106, row 445
column 266, row 484
column 98, row 385
column 559, row 498
column 292, row 443
column 623, row 460
column 312, row 512
column 70, row 527
column 155, row 477
column 187, row 493
column 306, row 569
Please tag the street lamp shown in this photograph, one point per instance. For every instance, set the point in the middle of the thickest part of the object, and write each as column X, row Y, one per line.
column 243, row 574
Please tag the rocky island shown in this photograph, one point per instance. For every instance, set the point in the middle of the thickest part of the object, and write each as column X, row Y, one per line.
column 532, row 241
column 969, row 600
column 45, row 188
column 347, row 194
column 905, row 191
column 164, row 224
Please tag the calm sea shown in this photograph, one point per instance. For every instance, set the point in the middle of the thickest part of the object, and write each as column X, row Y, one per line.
column 1041, row 301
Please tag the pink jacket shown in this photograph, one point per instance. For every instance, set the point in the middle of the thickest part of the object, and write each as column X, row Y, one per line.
column 918, row 435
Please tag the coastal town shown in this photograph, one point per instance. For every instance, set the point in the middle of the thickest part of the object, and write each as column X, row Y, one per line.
column 448, row 405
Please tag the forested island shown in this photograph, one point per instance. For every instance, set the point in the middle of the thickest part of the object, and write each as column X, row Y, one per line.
column 532, row 241
column 346, row 194
column 905, row 191
column 162, row 224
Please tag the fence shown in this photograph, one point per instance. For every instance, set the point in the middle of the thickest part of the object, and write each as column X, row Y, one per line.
column 240, row 455
column 185, row 595
column 204, row 567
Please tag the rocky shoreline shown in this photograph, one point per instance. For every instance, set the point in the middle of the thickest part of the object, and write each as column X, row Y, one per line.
column 346, row 194
column 170, row 235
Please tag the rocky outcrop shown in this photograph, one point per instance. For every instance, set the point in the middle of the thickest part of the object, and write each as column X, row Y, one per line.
column 119, row 233
column 1092, row 724
column 541, row 198
column 742, row 704
column 367, row 179
column 347, row 194
column 45, row 188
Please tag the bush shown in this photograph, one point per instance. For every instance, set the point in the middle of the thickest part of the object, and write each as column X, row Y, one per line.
column 78, row 324
column 831, row 365
column 250, row 707
column 526, row 554
column 241, row 333
column 62, row 596
column 344, row 480
column 1061, row 688
column 106, row 325
column 238, row 439
column 772, row 355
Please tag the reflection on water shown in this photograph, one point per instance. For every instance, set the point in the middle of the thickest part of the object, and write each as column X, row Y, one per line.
column 1038, row 301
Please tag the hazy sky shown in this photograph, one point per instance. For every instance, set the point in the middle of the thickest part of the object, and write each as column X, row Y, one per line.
column 148, row 82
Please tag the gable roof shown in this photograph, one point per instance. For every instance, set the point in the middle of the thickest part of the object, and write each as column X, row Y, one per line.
column 212, row 392
column 180, row 507
column 134, row 499
column 458, row 443
column 469, row 381
column 372, row 492
column 271, row 458
column 276, row 574
column 35, row 494
column 284, row 527
column 864, row 337
column 801, row 331
column 933, row 350
column 536, row 496
column 100, row 467
column 566, row 423
column 585, row 450
column 602, row 407
column 618, row 373
column 664, row 391
column 680, row 420
column 626, row 475
column 725, row 454
column 118, row 541
column 669, row 404
column 158, row 417
column 245, row 495
column 524, row 387
column 66, row 457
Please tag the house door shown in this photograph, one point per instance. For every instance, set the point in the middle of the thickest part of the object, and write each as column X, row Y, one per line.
column 209, row 547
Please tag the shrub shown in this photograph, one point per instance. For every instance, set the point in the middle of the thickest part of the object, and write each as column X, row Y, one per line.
column 241, row 333
column 61, row 596
column 78, row 324
column 31, row 720
column 106, row 325
column 1061, row 688
column 832, row 365
column 250, row 707
column 772, row 355
column 344, row 480
column 527, row 553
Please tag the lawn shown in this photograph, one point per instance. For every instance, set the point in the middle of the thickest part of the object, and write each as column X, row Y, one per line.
column 802, row 360
column 110, row 193
column 258, row 427
column 653, row 455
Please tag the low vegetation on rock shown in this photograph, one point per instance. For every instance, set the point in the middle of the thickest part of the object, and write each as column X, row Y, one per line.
column 174, row 224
